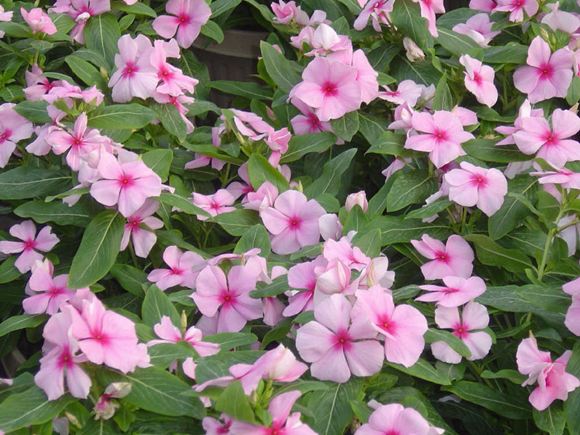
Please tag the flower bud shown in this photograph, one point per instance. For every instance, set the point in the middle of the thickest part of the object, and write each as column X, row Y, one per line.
column 413, row 52
column 359, row 198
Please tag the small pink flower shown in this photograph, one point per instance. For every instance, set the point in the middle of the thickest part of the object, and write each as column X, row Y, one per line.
column 302, row 280
column 81, row 11
column 561, row 20
column 554, row 383
column 47, row 293
column 125, row 184
column 455, row 258
column 366, row 76
column 169, row 333
column 546, row 74
column 407, row 92
column 13, row 128
column 330, row 226
column 412, row 51
column 5, row 17
column 474, row 186
column 79, row 142
column 283, row 422
column 329, row 87
column 60, row 361
column 106, row 337
column 483, row 5
column 335, row 347
column 106, row 407
column 218, row 203
column 428, row 10
column 467, row 328
column 479, row 80
column 397, row 420
column 139, row 228
column 440, row 135
column 293, row 221
column 377, row 11
column 554, row 144
column 456, row 292
column 184, row 22
column 38, row 20
column 401, row 326
column 183, row 269
column 564, row 177
column 262, row 198
column 525, row 111
column 213, row 426
column 172, row 80
column 343, row 251
column 516, row 8
column 135, row 76
column 30, row 244
column 477, row 28
column 227, row 298
column 572, row 321
column 285, row 12
column 251, row 125
column 307, row 122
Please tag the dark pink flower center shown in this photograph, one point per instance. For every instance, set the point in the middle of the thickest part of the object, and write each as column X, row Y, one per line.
column 460, row 331
column 342, row 340
column 546, row 71
column 392, row 432
column 314, row 122
column 329, row 89
column 183, row 19
column 165, row 74
column 387, row 324
column 214, row 205
column 442, row 256
column 393, row 93
column 101, row 337
column 126, row 181
column 550, row 138
column 294, row 223
column 276, row 429
column 450, row 290
column 477, row 78
column 176, row 271
column 479, row 180
column 65, row 359
column 29, row 244
column 55, row 291
column 227, row 298
column 130, row 70
column 133, row 222
column 77, row 142
column 5, row 135
column 379, row 4
column 518, row 4
column 440, row 135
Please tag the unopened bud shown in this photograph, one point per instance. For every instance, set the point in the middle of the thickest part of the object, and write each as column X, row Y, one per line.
column 413, row 52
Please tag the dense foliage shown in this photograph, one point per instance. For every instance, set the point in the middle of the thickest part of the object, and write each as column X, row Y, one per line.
column 377, row 235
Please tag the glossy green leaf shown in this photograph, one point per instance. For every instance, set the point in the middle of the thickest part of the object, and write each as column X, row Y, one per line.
column 26, row 182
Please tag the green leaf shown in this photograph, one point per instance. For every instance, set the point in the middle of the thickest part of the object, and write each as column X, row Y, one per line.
column 234, row 402
column 282, row 71
column 231, row 340
column 138, row 8
column 122, row 116
column 420, row 72
column 346, row 127
column 454, row 17
column 329, row 181
column 411, row 187
column 423, row 370
column 276, row 287
column 572, row 405
column 85, row 71
column 16, row 30
column 369, row 242
column 182, row 204
column 159, row 161
column 249, row 90
column 443, row 99
column 491, row 399
column 101, row 35
column 512, row 211
column 388, row 143
column 395, row 229
column 488, row 151
column 29, row 408
column 215, row 366
column 511, row 375
column 25, row 182
column 406, row 17
column 260, row 170
column 552, row 420
column 171, row 120
column 492, row 254
column 220, row 7
column 331, row 407
column 429, row 210
column 130, row 278
column 98, row 249
column 454, row 343
column 573, row 94
column 455, row 43
column 163, row 354
column 34, row 111
column 158, row 391
column 255, row 237
column 156, row 305
column 237, row 222
column 212, row 30
column 308, row 143
column 510, row 53
column 57, row 211
column 22, row 321
column 8, row 272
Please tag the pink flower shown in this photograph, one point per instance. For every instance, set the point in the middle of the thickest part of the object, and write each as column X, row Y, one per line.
column 550, row 143
column 139, row 228
column 467, row 328
column 106, row 407
column 479, row 80
column 366, row 76
column 402, row 326
column 81, row 11
column 135, row 76
column 397, row 420
column 228, row 299
column 483, row 5
column 125, row 184
column 307, row 122
column 412, row 50
column 335, row 347
column 572, row 321
column 47, row 293
column 330, row 226
column 561, row 20
column 293, row 221
column 185, row 22
column 516, row 8
column 61, row 361
column 357, row 199
column 428, row 10
column 525, row 111
column 30, row 244
column 5, row 17
column 302, row 276
column 378, row 11
column 456, row 292
column 81, row 141
column 474, row 186
column 106, row 337
column 38, row 20
column 218, row 203
column 440, row 135
column 407, row 92
column 183, row 269
column 262, row 198
column 169, row 333
column 478, row 28
column 554, row 383
column 251, row 125
column 546, row 75
column 282, row 421
column 343, row 251
column 173, row 81
column 213, row 426
column 285, row 12
column 329, row 87
column 13, row 128
column 455, row 258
